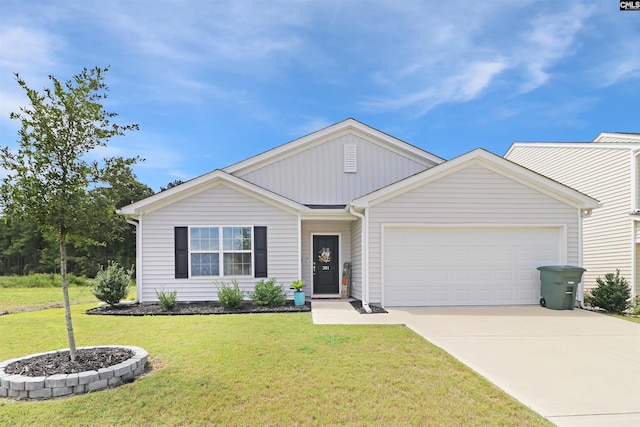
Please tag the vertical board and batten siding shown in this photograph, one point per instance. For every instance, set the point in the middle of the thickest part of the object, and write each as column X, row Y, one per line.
column 472, row 195
column 343, row 228
column 221, row 205
column 316, row 175
column 603, row 174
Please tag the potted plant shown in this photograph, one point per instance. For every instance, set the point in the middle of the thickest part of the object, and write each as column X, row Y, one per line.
column 298, row 293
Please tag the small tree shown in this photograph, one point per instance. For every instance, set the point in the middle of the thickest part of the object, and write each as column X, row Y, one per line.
column 50, row 180
column 612, row 294
column 112, row 285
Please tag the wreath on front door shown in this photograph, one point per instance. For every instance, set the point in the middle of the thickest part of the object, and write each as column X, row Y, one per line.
column 325, row 255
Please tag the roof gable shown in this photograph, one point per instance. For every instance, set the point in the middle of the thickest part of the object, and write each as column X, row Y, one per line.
column 490, row 161
column 202, row 183
column 316, row 138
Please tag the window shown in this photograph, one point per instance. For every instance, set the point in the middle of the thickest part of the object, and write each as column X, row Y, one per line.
column 236, row 244
column 207, row 244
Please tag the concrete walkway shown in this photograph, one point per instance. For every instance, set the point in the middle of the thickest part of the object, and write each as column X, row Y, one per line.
column 574, row 367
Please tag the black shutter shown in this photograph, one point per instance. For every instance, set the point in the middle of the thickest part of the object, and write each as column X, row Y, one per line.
column 182, row 252
column 260, row 251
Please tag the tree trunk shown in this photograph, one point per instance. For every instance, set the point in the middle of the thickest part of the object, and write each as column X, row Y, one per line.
column 65, row 292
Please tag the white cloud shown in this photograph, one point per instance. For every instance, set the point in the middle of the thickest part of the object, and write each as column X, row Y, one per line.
column 307, row 125
column 551, row 39
column 32, row 54
column 621, row 69
column 458, row 58
column 472, row 80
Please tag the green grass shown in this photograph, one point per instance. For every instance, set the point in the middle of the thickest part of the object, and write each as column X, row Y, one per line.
column 633, row 319
column 261, row 369
column 41, row 280
column 15, row 300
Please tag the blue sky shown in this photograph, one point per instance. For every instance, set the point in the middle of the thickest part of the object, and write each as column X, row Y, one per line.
column 214, row 82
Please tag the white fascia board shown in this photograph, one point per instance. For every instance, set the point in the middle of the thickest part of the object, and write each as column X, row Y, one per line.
column 202, row 183
column 491, row 161
column 593, row 145
column 330, row 132
column 629, row 137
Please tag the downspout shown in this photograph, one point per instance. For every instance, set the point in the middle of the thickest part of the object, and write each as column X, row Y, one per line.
column 635, row 183
column 136, row 223
column 365, row 258
column 582, row 213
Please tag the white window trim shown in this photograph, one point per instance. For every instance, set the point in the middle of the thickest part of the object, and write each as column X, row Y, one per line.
column 221, row 251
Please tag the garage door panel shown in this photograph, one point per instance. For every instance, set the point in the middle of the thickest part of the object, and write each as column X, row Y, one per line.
column 466, row 265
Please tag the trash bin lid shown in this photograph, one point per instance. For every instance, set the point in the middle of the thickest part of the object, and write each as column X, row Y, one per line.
column 572, row 268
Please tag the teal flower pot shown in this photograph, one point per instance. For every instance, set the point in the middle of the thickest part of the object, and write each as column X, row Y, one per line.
column 298, row 297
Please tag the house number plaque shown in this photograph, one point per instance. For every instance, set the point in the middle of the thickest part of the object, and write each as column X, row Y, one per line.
column 325, row 268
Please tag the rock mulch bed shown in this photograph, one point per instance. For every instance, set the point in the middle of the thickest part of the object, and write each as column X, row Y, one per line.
column 210, row 307
column 52, row 374
column 59, row 362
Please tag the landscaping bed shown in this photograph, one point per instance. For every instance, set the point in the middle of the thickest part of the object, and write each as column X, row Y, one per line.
column 192, row 308
column 53, row 374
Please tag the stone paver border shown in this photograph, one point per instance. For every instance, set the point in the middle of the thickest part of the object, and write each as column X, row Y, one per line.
column 23, row 387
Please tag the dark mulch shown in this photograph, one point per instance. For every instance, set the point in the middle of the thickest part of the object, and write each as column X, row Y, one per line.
column 90, row 359
column 210, row 307
column 375, row 309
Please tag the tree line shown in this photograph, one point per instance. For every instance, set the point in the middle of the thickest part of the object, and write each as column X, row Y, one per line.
column 27, row 248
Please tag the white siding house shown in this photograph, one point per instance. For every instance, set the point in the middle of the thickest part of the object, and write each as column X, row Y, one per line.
column 606, row 169
column 416, row 230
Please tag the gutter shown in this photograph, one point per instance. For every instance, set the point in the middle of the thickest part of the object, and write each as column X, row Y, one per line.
column 365, row 258
column 136, row 224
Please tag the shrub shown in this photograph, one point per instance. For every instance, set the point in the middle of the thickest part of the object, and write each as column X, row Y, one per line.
column 112, row 285
column 635, row 308
column 612, row 293
column 267, row 294
column 230, row 296
column 167, row 299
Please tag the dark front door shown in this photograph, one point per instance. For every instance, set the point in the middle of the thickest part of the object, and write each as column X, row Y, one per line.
column 325, row 265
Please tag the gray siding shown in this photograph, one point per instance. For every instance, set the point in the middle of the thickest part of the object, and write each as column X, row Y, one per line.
column 472, row 195
column 323, row 227
column 604, row 174
column 218, row 206
column 316, row 175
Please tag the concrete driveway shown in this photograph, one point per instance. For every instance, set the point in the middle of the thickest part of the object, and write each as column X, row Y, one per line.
column 574, row 367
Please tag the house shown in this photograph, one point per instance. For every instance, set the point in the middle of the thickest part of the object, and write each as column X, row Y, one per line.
column 415, row 230
column 607, row 169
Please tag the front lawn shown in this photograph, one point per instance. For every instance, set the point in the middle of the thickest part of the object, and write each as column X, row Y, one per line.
column 18, row 299
column 260, row 369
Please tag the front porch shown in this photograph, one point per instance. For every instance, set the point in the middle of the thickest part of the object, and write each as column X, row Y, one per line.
column 326, row 253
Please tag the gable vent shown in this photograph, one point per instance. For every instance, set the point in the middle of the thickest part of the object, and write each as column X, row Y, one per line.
column 350, row 158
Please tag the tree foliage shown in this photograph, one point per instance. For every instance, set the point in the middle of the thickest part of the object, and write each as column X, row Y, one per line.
column 172, row 184
column 52, row 180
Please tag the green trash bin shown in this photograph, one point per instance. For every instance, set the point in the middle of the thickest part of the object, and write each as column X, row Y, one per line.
column 558, row 286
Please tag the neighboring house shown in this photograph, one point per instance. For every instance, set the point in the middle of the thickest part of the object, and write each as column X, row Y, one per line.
column 415, row 229
column 607, row 169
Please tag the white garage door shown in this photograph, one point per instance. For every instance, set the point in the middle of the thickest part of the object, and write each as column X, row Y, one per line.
column 445, row 266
